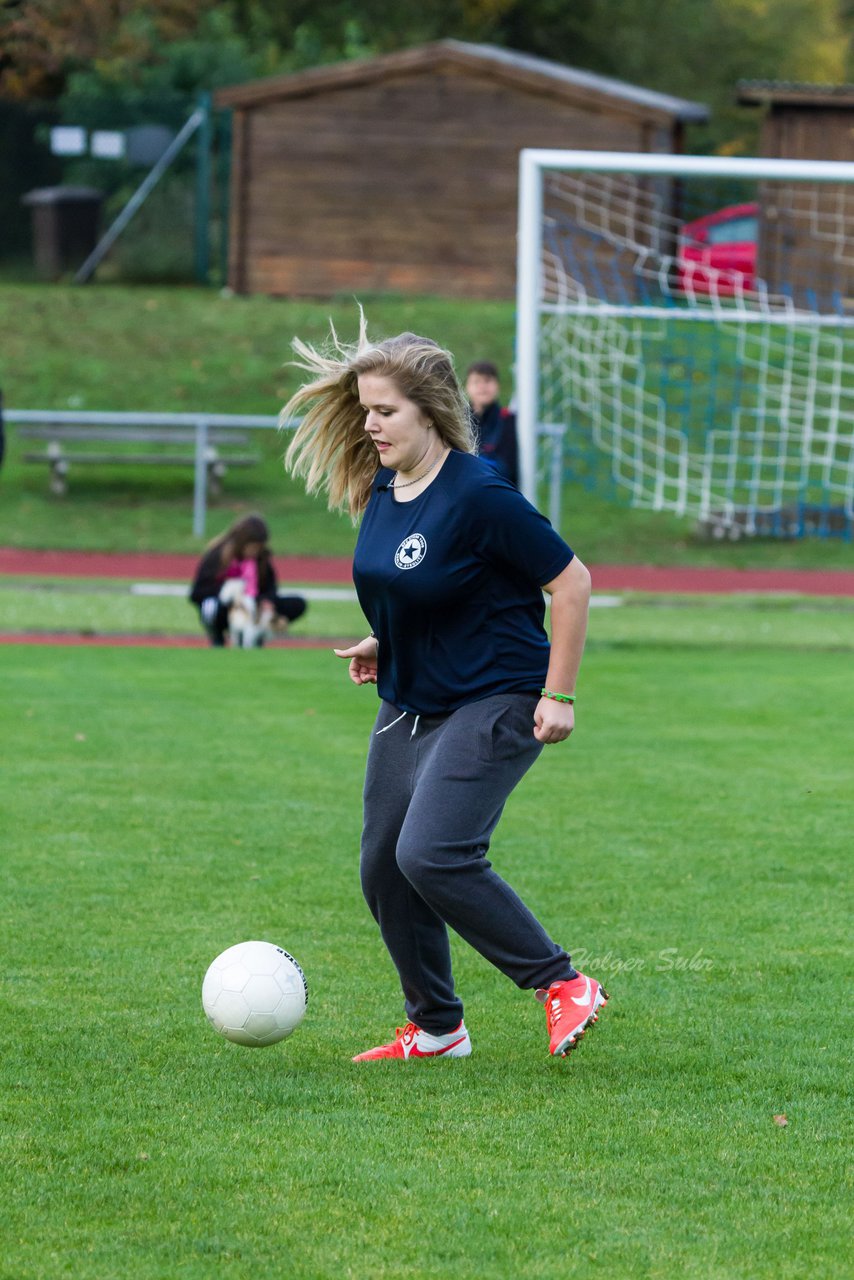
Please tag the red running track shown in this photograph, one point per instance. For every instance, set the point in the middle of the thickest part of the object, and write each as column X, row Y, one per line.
column 159, row 641
column 151, row 567
column 144, row 566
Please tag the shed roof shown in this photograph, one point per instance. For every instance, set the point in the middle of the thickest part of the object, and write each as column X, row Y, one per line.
column 791, row 93
column 520, row 70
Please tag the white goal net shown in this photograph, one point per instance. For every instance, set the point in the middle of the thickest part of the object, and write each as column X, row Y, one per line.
column 686, row 336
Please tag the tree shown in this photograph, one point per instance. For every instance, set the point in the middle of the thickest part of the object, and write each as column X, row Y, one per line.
column 43, row 41
column 697, row 49
column 125, row 89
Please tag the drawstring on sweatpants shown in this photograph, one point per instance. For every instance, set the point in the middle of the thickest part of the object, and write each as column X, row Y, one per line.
column 397, row 721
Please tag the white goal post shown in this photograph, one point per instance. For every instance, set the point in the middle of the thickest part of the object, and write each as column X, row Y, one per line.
column 602, row 264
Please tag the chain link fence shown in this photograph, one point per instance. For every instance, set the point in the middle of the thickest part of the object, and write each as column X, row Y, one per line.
column 179, row 233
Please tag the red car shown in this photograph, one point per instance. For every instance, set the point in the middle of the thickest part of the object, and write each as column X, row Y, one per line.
column 717, row 253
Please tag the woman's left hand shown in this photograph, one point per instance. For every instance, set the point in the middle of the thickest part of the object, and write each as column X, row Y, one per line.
column 553, row 721
column 363, row 660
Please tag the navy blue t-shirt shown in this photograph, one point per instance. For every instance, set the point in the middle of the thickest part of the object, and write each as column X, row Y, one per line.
column 451, row 585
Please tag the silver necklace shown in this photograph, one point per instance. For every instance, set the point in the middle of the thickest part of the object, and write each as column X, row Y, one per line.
column 393, row 484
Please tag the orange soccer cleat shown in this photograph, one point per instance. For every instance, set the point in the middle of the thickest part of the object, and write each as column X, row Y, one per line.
column 411, row 1042
column 571, row 1007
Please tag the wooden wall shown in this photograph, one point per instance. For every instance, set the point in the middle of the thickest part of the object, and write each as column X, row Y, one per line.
column 806, row 233
column 408, row 184
column 808, row 133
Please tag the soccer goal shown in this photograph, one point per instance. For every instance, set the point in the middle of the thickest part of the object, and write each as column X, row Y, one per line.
column 685, row 336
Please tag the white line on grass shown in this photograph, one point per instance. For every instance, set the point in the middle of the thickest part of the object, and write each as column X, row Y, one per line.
column 316, row 593
column 310, row 593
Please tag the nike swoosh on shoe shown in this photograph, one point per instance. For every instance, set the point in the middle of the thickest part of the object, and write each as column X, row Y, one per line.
column 415, row 1052
column 582, row 1000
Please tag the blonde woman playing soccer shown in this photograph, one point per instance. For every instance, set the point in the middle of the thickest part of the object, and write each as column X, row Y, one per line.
column 450, row 567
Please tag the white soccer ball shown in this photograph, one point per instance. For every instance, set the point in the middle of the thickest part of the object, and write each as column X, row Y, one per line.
column 255, row 994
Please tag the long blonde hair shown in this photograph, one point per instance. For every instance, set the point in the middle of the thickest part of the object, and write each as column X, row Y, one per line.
column 331, row 447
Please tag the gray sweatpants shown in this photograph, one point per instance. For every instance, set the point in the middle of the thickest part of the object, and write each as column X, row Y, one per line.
column 432, row 800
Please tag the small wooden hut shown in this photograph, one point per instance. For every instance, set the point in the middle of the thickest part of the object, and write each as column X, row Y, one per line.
column 803, row 121
column 806, row 231
column 400, row 172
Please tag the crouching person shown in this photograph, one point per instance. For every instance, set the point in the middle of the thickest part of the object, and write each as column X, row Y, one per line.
column 235, row 589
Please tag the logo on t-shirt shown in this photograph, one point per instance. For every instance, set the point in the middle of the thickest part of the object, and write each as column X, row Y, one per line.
column 411, row 551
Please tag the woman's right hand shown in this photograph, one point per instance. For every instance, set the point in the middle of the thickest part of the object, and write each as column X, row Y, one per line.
column 363, row 660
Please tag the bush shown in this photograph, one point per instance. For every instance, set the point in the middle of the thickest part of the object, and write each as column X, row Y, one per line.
column 158, row 245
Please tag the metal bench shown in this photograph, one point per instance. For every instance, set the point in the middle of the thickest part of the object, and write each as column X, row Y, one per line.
column 61, row 453
column 214, row 437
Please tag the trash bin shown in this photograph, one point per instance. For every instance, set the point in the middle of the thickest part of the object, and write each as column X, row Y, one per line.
column 65, row 227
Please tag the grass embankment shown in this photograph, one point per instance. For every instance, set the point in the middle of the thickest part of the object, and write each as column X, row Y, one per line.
column 691, row 845
column 110, row 347
column 176, row 350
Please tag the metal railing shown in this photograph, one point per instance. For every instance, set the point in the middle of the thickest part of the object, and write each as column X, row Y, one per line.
column 200, row 423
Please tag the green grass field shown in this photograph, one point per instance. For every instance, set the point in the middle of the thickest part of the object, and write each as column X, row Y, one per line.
column 691, row 845
column 175, row 350
column 110, row 608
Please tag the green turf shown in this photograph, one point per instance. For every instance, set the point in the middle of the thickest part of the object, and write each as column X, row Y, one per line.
column 111, row 608
column 692, row 843
column 638, row 619
column 174, row 350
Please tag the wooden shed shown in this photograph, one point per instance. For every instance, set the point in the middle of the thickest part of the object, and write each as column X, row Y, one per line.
column 806, row 231
column 803, row 121
column 400, row 172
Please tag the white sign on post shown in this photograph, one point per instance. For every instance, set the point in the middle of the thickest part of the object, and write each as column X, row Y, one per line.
column 68, row 140
column 107, row 144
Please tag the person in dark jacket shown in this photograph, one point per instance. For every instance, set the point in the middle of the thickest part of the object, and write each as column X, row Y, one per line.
column 495, row 426
column 237, row 567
